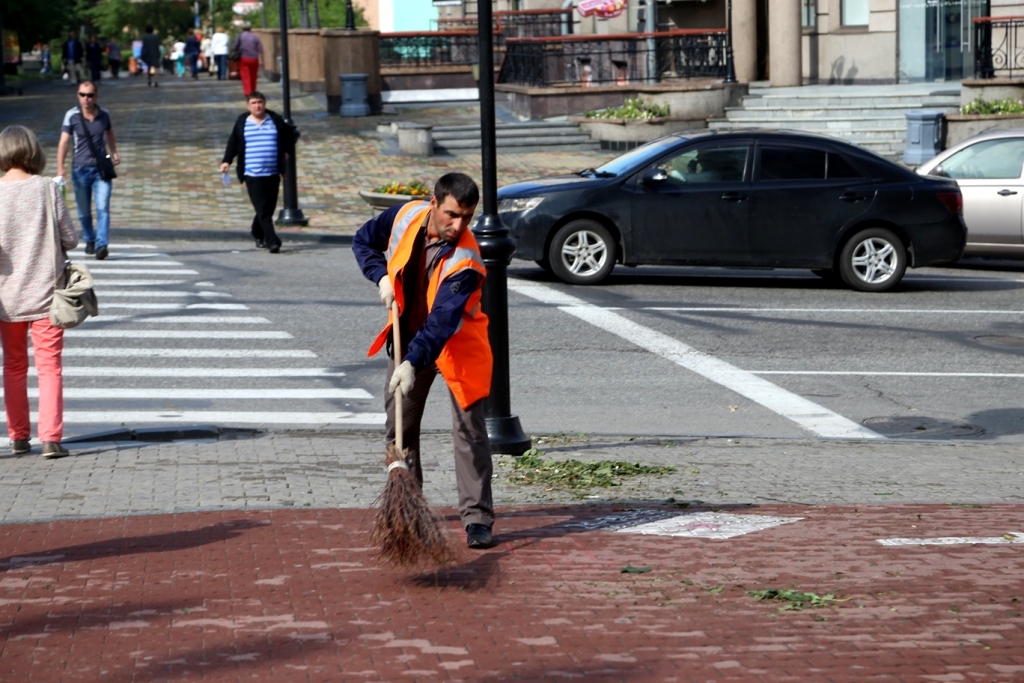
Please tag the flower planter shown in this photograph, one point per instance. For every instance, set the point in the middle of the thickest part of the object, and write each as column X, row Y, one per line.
column 379, row 200
column 959, row 127
column 636, row 131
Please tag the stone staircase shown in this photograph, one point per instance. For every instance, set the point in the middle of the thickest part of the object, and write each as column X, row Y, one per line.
column 531, row 136
column 872, row 117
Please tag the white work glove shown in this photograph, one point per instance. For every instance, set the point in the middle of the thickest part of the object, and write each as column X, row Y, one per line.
column 387, row 292
column 404, row 376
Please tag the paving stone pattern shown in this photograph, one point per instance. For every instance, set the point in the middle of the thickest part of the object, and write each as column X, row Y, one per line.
column 172, row 138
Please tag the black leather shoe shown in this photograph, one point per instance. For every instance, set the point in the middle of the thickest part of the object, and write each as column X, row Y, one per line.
column 90, row 248
column 260, row 244
column 275, row 248
column 101, row 253
column 478, row 536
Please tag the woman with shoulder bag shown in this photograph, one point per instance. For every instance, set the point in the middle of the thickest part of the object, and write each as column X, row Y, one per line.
column 33, row 240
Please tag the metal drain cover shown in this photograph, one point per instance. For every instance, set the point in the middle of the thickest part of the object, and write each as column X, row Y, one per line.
column 1002, row 342
column 921, row 427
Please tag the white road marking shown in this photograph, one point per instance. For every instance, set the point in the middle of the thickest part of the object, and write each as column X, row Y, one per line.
column 167, row 293
column 182, row 319
column 869, row 373
column 185, row 353
column 178, row 334
column 182, row 307
column 811, row 416
column 219, row 417
column 207, row 394
column 1011, row 537
column 148, row 264
column 81, row 247
column 908, row 311
column 108, row 371
column 142, row 271
column 137, row 283
column 707, row 525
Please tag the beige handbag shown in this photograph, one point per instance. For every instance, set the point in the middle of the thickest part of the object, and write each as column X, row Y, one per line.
column 77, row 300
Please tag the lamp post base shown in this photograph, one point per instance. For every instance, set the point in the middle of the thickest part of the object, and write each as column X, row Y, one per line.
column 506, row 435
column 291, row 217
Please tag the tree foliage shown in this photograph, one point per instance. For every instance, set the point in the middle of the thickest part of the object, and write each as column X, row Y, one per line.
column 36, row 22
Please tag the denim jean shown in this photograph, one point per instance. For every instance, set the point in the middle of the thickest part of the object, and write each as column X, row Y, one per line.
column 222, row 67
column 89, row 189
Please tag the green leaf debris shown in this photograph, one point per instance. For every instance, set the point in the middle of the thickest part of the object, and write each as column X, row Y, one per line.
column 794, row 600
column 531, row 468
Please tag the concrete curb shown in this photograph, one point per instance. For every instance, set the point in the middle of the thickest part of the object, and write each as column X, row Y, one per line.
column 171, row 234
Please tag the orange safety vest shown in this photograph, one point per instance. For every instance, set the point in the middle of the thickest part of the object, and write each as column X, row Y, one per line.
column 465, row 361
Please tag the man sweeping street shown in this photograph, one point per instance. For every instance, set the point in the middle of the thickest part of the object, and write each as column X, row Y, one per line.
column 423, row 256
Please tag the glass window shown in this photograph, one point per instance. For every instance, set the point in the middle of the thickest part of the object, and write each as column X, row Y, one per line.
column 855, row 12
column 707, row 165
column 809, row 13
column 838, row 167
column 632, row 158
column 994, row 159
column 792, row 163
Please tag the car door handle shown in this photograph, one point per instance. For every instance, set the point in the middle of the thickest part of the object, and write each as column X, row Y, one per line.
column 1005, row 193
column 852, row 197
column 734, row 197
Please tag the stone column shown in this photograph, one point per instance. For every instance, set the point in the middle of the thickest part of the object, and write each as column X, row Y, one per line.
column 785, row 62
column 744, row 39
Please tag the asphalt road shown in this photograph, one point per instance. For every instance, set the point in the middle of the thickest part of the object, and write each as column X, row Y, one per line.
column 253, row 339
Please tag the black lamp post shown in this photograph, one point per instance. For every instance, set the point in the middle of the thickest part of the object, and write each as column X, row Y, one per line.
column 350, row 16
column 290, row 214
column 496, row 246
column 730, row 69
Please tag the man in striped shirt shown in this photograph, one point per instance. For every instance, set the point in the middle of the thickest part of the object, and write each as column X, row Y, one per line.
column 262, row 141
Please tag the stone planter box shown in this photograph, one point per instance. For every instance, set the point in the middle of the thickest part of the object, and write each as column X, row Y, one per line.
column 380, row 201
column 632, row 130
column 959, row 127
column 990, row 89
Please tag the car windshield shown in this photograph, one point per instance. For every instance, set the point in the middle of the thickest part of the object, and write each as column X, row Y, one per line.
column 634, row 157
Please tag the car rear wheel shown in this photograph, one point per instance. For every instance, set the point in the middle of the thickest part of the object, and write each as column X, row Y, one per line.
column 582, row 253
column 873, row 260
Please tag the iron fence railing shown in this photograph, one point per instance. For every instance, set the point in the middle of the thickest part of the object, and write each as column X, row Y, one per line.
column 539, row 23
column 614, row 59
column 432, row 48
column 998, row 46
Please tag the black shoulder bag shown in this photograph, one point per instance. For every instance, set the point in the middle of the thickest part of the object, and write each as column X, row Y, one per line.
column 104, row 164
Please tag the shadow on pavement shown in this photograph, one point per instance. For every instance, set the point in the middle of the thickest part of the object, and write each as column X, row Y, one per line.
column 132, row 545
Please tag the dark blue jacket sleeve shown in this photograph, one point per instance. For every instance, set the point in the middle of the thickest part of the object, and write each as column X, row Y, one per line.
column 444, row 318
column 370, row 243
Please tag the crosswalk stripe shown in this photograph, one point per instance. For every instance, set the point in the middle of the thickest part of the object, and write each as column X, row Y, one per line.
column 178, row 334
column 219, row 417
column 157, row 293
column 135, row 263
column 182, row 319
column 114, row 351
column 142, row 271
column 164, row 307
column 207, row 394
column 107, row 371
column 137, row 283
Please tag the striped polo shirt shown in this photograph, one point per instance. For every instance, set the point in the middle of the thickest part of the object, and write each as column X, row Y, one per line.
column 260, row 147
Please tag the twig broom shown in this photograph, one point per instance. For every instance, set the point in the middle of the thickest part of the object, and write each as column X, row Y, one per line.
column 405, row 531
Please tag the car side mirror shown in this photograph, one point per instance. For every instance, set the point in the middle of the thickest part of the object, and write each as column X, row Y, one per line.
column 655, row 176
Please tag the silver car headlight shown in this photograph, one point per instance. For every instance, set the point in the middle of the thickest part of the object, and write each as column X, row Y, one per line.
column 519, row 205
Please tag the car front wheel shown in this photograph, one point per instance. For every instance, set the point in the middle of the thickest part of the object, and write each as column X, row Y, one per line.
column 582, row 253
column 873, row 260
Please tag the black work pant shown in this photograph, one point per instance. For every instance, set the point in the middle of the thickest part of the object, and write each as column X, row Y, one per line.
column 473, row 463
column 263, row 191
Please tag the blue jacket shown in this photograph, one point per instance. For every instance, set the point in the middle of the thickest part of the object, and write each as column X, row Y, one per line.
column 369, row 245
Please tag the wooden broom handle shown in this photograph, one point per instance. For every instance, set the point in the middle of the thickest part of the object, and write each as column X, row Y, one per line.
column 398, row 360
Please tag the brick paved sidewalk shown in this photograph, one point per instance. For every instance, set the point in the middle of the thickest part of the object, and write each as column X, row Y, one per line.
column 109, row 571
column 172, row 138
column 290, row 595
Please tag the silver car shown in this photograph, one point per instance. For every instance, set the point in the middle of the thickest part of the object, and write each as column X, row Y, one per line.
column 989, row 169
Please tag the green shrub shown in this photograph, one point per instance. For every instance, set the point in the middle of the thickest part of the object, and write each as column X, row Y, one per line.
column 634, row 109
column 1007, row 106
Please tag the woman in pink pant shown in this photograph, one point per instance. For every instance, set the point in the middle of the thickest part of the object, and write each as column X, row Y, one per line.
column 32, row 255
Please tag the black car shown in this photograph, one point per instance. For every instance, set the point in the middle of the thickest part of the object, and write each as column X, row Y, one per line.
column 739, row 198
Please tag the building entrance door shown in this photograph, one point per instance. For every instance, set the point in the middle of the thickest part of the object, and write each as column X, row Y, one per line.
column 949, row 38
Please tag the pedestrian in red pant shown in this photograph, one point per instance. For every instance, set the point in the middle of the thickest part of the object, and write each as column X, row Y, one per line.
column 250, row 51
